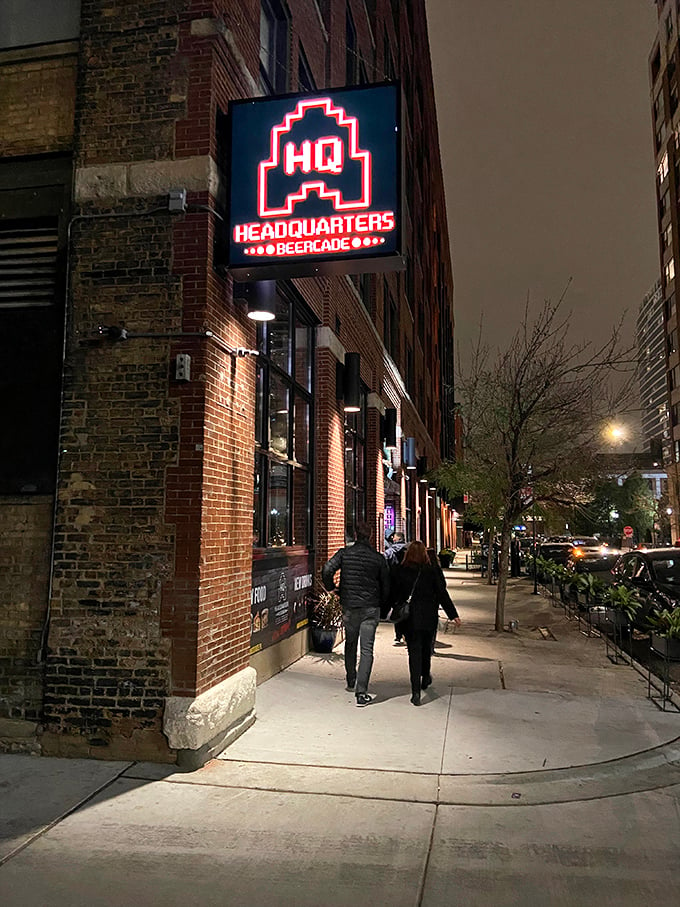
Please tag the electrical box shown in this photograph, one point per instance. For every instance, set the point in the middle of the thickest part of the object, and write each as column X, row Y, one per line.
column 177, row 200
column 183, row 367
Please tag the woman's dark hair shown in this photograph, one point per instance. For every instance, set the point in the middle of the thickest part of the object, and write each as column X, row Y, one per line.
column 416, row 555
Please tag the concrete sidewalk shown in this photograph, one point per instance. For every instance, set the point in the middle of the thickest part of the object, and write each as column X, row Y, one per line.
column 535, row 772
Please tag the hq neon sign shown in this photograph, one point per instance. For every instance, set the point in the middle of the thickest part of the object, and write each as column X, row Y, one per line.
column 315, row 183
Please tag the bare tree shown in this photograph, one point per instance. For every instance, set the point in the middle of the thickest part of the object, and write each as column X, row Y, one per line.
column 532, row 421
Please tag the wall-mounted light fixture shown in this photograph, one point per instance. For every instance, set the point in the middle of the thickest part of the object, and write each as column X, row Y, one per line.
column 390, row 428
column 409, row 453
column 351, row 383
column 259, row 296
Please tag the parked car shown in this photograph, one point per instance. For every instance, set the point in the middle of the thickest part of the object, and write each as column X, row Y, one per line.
column 554, row 551
column 654, row 576
column 599, row 560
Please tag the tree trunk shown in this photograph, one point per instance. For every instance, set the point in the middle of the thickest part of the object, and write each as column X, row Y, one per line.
column 503, row 556
column 491, row 534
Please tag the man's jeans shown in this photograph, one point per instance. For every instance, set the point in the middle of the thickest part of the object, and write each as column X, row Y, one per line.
column 360, row 626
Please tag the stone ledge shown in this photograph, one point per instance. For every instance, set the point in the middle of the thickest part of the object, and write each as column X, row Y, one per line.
column 146, row 178
column 191, row 724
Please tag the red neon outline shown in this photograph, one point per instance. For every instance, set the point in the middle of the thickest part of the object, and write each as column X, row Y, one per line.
column 318, row 186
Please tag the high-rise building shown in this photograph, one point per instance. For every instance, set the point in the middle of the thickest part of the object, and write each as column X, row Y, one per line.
column 651, row 346
column 173, row 474
column 664, row 66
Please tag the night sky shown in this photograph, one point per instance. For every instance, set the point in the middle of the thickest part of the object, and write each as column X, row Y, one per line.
column 546, row 141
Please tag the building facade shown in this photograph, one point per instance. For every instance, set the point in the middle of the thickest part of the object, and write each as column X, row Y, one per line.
column 175, row 473
column 651, row 345
column 663, row 73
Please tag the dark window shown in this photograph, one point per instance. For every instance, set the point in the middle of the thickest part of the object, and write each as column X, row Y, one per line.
column 409, row 377
column 656, row 64
column 658, row 108
column 283, row 429
column 355, row 468
column 305, row 78
column 388, row 64
column 391, row 326
column 274, row 30
column 38, row 22
column 668, row 306
column 351, row 50
column 362, row 282
column 33, row 225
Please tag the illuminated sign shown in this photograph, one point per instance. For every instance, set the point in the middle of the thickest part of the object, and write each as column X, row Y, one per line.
column 315, row 183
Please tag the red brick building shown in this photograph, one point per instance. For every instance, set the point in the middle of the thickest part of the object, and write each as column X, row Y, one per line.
column 173, row 474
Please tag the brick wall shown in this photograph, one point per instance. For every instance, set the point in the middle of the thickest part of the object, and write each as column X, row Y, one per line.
column 108, row 666
column 37, row 97
column 25, row 536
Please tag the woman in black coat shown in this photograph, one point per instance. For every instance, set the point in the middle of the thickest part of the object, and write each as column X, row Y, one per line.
column 429, row 592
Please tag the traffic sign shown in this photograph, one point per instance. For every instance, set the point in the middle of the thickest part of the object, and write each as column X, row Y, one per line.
column 628, row 532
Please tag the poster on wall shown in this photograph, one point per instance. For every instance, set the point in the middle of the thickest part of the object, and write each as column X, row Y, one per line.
column 315, row 183
column 278, row 607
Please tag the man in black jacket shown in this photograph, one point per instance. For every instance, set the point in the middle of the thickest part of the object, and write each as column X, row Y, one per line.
column 364, row 589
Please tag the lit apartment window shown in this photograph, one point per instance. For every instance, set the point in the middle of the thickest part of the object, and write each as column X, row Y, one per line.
column 667, row 237
column 274, row 30
column 662, row 169
column 669, row 270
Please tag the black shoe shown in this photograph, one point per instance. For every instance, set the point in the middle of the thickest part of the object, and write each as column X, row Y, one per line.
column 415, row 699
column 425, row 682
column 364, row 699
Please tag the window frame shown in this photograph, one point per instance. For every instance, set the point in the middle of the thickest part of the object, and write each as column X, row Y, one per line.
column 275, row 76
column 267, row 532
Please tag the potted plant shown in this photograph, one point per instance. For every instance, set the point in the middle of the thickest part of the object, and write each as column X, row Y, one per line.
column 665, row 636
column 446, row 556
column 622, row 605
column 325, row 619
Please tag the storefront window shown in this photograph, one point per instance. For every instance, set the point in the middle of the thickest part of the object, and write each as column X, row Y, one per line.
column 282, row 490
column 355, row 468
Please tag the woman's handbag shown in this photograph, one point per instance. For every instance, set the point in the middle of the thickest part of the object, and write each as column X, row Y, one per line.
column 401, row 611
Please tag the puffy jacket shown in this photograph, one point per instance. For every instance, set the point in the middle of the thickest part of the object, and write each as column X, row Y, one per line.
column 364, row 576
column 430, row 592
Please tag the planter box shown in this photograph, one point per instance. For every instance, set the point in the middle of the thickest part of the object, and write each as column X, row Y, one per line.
column 598, row 615
column 669, row 648
column 445, row 560
column 617, row 618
